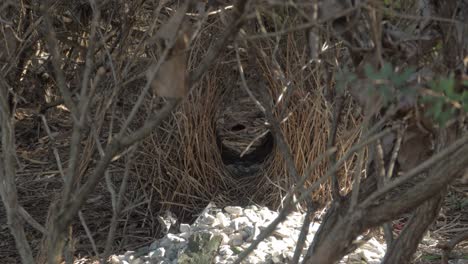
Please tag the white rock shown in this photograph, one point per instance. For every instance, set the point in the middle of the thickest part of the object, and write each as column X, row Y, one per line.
column 184, row 228
column 158, row 253
column 233, row 210
column 235, row 239
column 278, row 246
column 283, row 232
column 267, row 215
column 114, row 259
column 252, row 215
column 222, row 220
column 225, row 250
column 254, row 260
column 129, row 254
column 263, row 246
column 240, row 223
column 208, row 219
column 184, row 235
column 175, row 239
column 225, row 237
column 137, row 261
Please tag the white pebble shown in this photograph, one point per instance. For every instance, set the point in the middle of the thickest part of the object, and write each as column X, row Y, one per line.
column 184, row 228
column 233, row 210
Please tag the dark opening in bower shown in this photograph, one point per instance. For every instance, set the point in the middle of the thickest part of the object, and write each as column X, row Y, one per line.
column 249, row 163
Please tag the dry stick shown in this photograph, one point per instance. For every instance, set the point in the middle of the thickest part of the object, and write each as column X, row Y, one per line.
column 59, row 75
column 119, row 144
column 30, row 220
column 54, row 149
column 8, row 190
column 88, row 233
column 396, row 150
column 381, row 181
column 448, row 247
column 331, row 143
column 302, row 235
column 117, row 207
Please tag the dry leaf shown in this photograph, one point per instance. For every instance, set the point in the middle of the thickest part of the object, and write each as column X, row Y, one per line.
column 415, row 148
column 171, row 79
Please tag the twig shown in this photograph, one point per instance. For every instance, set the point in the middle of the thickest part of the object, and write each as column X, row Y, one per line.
column 381, row 181
column 30, row 220
column 302, row 235
column 88, row 233
column 117, row 207
column 448, row 247
column 416, row 171
column 331, row 143
column 396, row 150
column 55, row 58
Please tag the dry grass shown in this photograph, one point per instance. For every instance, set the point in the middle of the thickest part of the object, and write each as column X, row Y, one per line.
column 179, row 168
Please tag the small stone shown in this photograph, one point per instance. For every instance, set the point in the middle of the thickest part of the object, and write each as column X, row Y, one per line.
column 282, row 232
column 129, row 254
column 267, row 215
column 254, row 260
column 252, row 215
column 235, row 239
column 175, row 238
column 222, row 220
column 165, row 242
column 137, row 261
column 184, row 235
column 277, row 259
column 225, row 237
column 154, row 245
column 244, row 234
column 158, row 253
column 233, row 210
column 184, row 228
column 278, row 246
column 225, row 251
column 263, row 246
column 208, row 219
column 240, row 223
column 114, row 259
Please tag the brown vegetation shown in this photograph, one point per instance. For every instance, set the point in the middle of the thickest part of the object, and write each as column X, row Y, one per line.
column 113, row 113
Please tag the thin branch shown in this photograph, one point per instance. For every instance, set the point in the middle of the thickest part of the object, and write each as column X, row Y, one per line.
column 88, row 233
column 449, row 246
column 118, row 206
column 303, row 235
column 332, row 142
column 416, row 171
column 30, row 220
column 56, row 63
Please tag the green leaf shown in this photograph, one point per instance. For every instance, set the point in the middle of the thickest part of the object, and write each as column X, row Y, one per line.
column 369, row 71
column 386, row 71
column 400, row 79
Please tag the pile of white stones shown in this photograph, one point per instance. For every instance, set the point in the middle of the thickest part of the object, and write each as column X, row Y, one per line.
column 235, row 228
